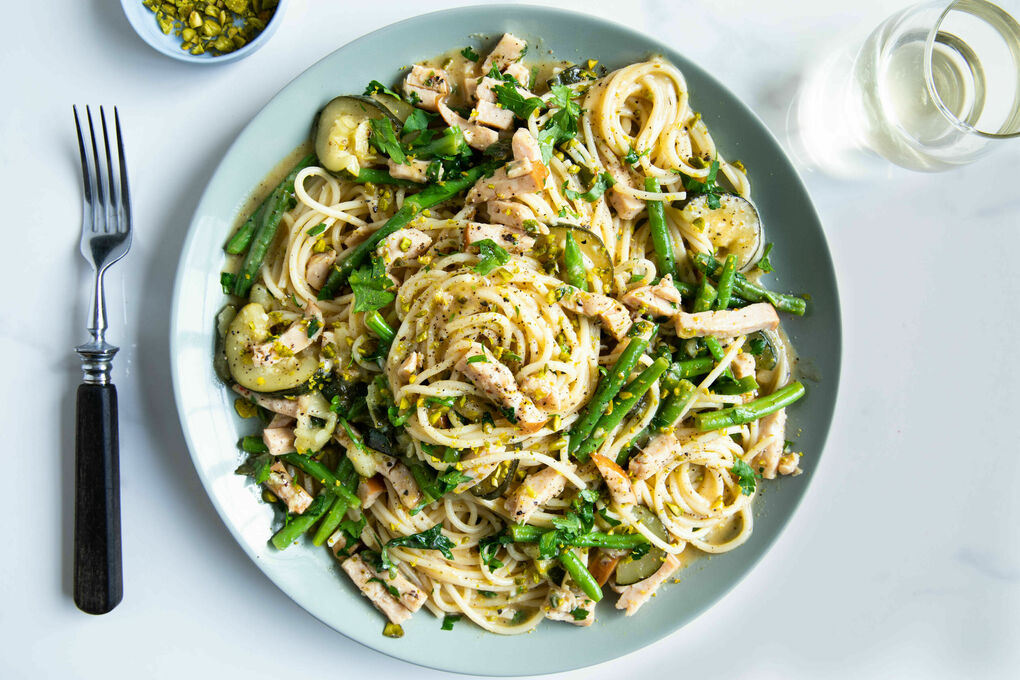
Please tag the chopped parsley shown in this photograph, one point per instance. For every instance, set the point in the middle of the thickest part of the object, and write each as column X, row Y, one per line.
column 477, row 359
column 449, row 620
column 579, row 613
column 493, row 255
column 562, row 125
column 633, row 156
column 256, row 466
column 375, row 87
column 384, row 139
column 487, row 548
column 227, row 280
column 602, row 182
column 430, row 539
column 470, row 54
column 756, row 345
column 764, row 263
column 708, row 186
column 313, row 327
column 370, row 285
column 745, row 476
column 512, row 356
column 416, row 122
column 511, row 99
column 390, row 589
column 317, row 229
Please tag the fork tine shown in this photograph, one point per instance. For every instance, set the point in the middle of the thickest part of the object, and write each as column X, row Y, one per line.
column 111, row 184
column 125, row 195
column 88, row 198
column 100, row 194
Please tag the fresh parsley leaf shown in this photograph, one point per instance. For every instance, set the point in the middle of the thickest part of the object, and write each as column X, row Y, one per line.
column 633, row 157
column 488, row 594
column 509, row 414
column 353, row 528
column 448, row 402
column 375, row 87
column 317, row 229
column 418, row 120
column 451, row 479
column 512, row 356
column 253, row 444
column 570, row 522
column 562, row 125
column 745, row 476
column 708, row 186
column 256, row 466
column 602, row 182
column 756, row 345
column 607, row 519
column 510, row 98
column 227, row 280
column 579, row 613
column 430, row 539
column 487, row 548
column 493, row 255
column 470, row 54
column 384, row 139
column 449, row 620
column 640, row 551
column 764, row 263
column 413, row 98
column 370, row 285
column 313, row 326
column 477, row 359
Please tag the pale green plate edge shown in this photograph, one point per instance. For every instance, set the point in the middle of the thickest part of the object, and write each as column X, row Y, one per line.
column 310, row 576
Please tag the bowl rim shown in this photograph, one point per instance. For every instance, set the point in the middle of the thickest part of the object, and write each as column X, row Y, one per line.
column 169, row 44
column 823, row 260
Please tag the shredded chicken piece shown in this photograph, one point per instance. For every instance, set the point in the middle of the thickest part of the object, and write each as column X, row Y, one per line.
column 414, row 170
column 620, row 488
column 498, row 383
column 601, row 564
column 293, row 340
column 368, row 583
column 660, row 450
column 662, row 299
column 536, row 490
column 524, row 175
column 286, row 407
column 410, row 365
column 279, row 440
column 403, row 246
column 281, row 484
column 773, row 425
column 432, row 85
column 627, row 207
column 510, row 49
column 633, row 596
column 544, row 391
column 400, row 477
column 370, row 489
column 728, row 323
column 514, row 215
column 572, row 606
column 613, row 315
column 318, row 267
column 477, row 136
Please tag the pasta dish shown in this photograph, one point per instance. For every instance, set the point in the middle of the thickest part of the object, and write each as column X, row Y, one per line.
column 503, row 342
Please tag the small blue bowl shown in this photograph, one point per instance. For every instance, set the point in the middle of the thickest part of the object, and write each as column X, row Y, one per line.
column 144, row 22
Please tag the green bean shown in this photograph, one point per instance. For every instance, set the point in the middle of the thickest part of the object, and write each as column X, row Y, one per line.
column 297, row 526
column 253, row 444
column 526, row 533
column 660, row 234
column 695, row 367
column 705, row 296
column 640, row 335
column 716, row 350
column 574, row 263
column 264, row 232
column 726, row 279
column 349, row 478
column 433, row 194
column 582, row 577
column 323, row 475
column 751, row 411
column 753, row 292
column 377, row 323
column 238, row 243
column 622, row 404
column 741, row 386
column 377, row 176
column 673, row 405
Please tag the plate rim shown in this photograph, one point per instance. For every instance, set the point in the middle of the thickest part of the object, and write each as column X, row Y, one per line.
column 824, row 260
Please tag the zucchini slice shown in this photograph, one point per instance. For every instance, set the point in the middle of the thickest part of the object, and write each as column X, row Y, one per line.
column 551, row 245
column 496, row 482
column 250, row 327
column 342, row 130
column 734, row 228
column 630, row 571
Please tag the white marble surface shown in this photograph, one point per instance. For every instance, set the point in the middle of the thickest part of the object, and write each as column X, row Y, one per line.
column 902, row 562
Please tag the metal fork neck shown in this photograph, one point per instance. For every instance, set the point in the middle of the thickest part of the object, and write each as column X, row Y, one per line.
column 97, row 355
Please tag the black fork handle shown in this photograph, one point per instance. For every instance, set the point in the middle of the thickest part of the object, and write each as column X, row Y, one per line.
column 98, row 577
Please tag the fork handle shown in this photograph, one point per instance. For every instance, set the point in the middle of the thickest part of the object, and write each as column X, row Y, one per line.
column 98, row 580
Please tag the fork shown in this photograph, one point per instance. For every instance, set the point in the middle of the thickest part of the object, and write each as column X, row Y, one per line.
column 105, row 238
